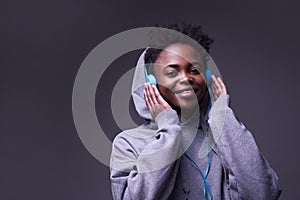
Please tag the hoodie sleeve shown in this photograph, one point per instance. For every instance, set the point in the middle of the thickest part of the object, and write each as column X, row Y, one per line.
column 248, row 172
column 150, row 173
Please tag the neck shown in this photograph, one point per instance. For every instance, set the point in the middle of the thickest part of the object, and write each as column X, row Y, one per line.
column 186, row 113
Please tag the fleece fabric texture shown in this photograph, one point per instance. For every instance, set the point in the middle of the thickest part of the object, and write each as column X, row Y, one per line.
column 147, row 162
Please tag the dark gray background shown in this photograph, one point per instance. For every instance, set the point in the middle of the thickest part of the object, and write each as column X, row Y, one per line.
column 43, row 44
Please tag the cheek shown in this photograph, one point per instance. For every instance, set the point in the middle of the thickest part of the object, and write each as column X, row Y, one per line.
column 201, row 81
column 165, row 91
column 165, row 86
column 165, row 82
column 168, row 95
column 202, row 86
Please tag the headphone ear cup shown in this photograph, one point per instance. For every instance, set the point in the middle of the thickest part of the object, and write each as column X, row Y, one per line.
column 152, row 79
column 208, row 83
column 208, row 77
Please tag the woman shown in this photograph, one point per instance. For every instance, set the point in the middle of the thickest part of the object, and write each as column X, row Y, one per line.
column 162, row 159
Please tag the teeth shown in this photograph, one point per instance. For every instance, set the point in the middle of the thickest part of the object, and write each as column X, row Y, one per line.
column 186, row 91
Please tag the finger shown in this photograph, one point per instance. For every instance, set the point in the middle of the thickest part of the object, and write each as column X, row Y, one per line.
column 220, row 86
column 220, row 82
column 213, row 78
column 214, row 89
column 214, row 85
column 156, row 92
column 224, row 90
column 146, row 92
column 149, row 95
column 215, row 93
column 160, row 99
column 149, row 101
column 152, row 94
column 146, row 99
column 215, row 81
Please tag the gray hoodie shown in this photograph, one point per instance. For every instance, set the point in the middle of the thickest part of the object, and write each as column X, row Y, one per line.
column 147, row 162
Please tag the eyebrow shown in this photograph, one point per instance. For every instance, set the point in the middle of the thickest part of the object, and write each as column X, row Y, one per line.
column 177, row 66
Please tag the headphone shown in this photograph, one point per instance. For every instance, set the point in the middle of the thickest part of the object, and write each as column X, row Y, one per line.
column 150, row 78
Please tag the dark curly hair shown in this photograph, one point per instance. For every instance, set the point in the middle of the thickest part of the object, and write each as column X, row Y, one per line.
column 163, row 39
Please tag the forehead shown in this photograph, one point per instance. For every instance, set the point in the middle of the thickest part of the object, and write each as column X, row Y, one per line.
column 178, row 54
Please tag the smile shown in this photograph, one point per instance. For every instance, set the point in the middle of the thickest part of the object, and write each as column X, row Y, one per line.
column 187, row 90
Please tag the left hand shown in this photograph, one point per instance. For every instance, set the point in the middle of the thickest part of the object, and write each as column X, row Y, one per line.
column 217, row 87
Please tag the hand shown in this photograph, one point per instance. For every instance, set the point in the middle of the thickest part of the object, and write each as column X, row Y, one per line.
column 218, row 87
column 155, row 102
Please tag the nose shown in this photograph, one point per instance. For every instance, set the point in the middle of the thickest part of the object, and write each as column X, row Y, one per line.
column 186, row 78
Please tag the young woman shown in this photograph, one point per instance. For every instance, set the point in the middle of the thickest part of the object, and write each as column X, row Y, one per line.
column 162, row 159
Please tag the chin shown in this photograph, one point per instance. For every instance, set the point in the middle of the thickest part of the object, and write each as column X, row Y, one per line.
column 186, row 106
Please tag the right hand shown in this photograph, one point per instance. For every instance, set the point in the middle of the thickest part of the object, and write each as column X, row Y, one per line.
column 218, row 88
column 155, row 102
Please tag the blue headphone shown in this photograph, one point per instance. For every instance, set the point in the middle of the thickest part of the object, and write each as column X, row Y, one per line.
column 150, row 78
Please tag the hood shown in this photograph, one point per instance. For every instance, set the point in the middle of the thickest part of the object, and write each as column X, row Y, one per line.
column 138, row 88
column 138, row 96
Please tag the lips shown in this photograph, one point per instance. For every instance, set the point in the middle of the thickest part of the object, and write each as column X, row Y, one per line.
column 186, row 91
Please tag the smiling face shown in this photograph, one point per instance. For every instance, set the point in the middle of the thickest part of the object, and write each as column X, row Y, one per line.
column 179, row 71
